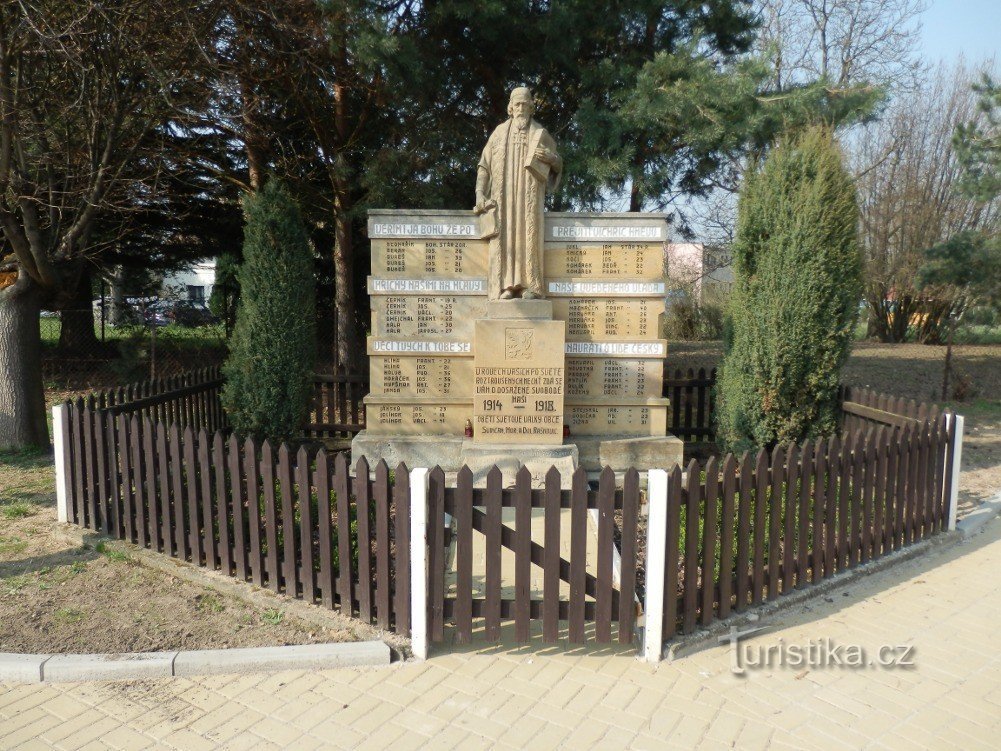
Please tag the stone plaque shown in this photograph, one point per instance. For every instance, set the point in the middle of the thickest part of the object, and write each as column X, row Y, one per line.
column 632, row 261
column 423, row 225
column 654, row 348
column 606, row 228
column 444, row 316
column 409, row 416
column 578, row 287
column 460, row 259
column 609, row 376
column 591, row 318
column 618, row 419
column 422, row 376
column 518, row 379
column 386, row 346
column 381, row 286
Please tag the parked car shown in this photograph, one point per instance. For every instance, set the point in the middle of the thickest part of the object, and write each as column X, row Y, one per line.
column 189, row 313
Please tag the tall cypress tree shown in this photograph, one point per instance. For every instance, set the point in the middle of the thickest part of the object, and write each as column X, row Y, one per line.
column 273, row 345
column 796, row 298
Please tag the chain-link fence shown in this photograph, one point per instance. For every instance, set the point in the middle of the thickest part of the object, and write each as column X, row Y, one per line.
column 83, row 348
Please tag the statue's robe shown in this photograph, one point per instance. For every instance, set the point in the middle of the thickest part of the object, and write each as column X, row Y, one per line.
column 504, row 176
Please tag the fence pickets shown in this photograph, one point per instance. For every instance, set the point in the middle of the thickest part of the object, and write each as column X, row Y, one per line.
column 302, row 525
column 160, row 469
column 800, row 514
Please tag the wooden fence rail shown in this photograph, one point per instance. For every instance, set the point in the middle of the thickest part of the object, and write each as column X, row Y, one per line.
column 337, row 409
column 192, row 399
column 693, row 404
column 762, row 525
column 597, row 596
column 294, row 522
column 155, row 465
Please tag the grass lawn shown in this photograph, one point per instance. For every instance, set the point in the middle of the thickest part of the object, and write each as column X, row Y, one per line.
column 57, row 596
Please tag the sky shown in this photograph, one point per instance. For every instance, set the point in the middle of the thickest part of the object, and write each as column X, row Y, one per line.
column 967, row 28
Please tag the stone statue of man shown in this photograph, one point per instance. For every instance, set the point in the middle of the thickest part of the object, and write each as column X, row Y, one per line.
column 519, row 163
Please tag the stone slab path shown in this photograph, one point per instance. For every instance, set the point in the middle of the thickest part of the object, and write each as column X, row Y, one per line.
column 946, row 604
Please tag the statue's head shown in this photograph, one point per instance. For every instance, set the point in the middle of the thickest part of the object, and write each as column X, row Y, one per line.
column 521, row 106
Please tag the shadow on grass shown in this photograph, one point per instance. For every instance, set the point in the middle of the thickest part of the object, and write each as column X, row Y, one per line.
column 44, row 563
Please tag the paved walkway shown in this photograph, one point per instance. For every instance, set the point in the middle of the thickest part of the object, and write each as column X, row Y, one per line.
column 946, row 605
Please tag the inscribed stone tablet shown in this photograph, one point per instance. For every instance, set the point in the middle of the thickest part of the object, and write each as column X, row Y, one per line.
column 425, row 286
column 591, row 318
column 409, row 418
column 518, row 376
column 604, row 288
column 411, row 223
column 629, row 261
column 422, row 376
column 445, row 316
column 654, row 348
column 461, row 259
column 605, row 228
column 596, row 419
column 414, row 347
column 609, row 376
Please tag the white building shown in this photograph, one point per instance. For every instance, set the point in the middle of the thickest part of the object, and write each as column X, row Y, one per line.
column 699, row 270
column 193, row 283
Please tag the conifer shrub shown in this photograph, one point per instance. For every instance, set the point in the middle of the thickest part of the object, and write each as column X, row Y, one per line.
column 272, row 350
column 796, row 298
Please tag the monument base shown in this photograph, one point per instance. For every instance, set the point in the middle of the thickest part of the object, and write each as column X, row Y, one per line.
column 452, row 452
column 510, row 458
column 590, row 452
column 622, row 452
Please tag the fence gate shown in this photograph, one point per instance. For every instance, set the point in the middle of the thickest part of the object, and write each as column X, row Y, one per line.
column 554, row 565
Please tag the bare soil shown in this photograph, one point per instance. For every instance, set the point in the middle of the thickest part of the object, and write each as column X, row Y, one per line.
column 914, row 371
column 59, row 597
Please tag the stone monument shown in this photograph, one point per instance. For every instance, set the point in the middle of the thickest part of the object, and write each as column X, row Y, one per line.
column 537, row 333
column 518, row 165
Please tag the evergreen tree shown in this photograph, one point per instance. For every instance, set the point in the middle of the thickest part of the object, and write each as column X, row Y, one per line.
column 273, row 345
column 796, row 298
column 978, row 145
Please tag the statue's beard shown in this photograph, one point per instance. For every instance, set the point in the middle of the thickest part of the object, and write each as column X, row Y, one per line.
column 521, row 121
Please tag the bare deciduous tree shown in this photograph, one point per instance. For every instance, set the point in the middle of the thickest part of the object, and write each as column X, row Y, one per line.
column 84, row 87
column 846, row 42
column 909, row 199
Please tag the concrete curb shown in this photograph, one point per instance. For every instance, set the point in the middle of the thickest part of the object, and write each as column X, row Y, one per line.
column 976, row 519
column 21, row 668
column 73, row 668
column 708, row 638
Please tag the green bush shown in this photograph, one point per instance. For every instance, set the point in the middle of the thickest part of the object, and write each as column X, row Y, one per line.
column 688, row 320
column 796, row 297
column 273, row 345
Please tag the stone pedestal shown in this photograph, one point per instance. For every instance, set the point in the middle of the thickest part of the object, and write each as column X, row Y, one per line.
column 518, row 374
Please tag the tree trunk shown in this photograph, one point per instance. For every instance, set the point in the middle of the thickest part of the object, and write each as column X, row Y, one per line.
column 947, row 371
column 344, row 296
column 77, row 331
column 22, row 396
column 117, row 311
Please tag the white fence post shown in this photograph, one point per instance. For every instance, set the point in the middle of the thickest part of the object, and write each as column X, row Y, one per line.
column 419, row 562
column 957, row 460
column 60, row 434
column 656, row 555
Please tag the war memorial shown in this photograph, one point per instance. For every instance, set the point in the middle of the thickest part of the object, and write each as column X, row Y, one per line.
column 511, row 336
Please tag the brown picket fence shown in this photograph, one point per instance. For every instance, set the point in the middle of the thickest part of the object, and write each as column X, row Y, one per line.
column 155, row 465
column 754, row 528
column 337, row 409
column 693, row 404
column 295, row 522
column 600, row 599
column 189, row 399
